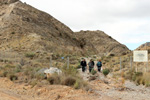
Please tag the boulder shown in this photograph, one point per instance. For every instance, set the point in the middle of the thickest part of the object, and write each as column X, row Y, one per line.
column 51, row 71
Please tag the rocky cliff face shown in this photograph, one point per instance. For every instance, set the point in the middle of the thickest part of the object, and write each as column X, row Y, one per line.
column 102, row 43
column 24, row 28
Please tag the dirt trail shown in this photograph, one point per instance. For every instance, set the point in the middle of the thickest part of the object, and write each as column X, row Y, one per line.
column 115, row 89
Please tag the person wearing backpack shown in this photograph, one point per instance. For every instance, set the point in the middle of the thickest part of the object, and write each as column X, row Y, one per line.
column 99, row 65
column 83, row 64
column 91, row 65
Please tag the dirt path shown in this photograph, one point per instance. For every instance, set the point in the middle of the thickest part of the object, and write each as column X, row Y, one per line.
column 114, row 89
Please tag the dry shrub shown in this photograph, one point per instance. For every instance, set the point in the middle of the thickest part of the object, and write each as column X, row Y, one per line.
column 30, row 54
column 145, row 79
column 69, row 81
column 92, row 78
column 129, row 74
column 13, row 77
column 4, row 74
column 54, row 79
column 138, row 77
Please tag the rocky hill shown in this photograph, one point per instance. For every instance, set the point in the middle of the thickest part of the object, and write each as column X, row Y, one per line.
column 24, row 29
column 145, row 46
column 101, row 42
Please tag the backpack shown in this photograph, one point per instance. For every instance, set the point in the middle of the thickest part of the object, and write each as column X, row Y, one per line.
column 99, row 64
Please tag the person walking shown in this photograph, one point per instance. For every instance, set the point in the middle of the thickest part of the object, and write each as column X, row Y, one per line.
column 83, row 64
column 91, row 65
column 99, row 65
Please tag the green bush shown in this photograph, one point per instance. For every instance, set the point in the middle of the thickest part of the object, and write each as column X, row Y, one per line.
column 93, row 72
column 106, row 71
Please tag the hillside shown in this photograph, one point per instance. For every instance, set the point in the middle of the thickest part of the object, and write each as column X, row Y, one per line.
column 24, row 29
column 102, row 43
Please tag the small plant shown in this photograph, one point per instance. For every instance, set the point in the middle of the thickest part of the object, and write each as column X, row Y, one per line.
column 12, row 32
column 17, row 69
column 77, row 85
column 13, row 77
column 93, row 72
column 30, row 55
column 22, row 62
column 5, row 74
column 106, row 71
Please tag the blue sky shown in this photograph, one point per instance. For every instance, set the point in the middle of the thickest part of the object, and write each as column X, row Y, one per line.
column 127, row 21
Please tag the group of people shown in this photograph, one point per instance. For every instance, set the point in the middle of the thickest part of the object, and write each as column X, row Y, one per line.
column 91, row 65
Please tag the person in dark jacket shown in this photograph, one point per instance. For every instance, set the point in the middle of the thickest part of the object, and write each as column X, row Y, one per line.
column 99, row 65
column 91, row 65
column 83, row 64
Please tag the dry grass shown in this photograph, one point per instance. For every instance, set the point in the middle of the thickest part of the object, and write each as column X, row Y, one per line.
column 69, row 77
column 26, row 70
column 145, row 80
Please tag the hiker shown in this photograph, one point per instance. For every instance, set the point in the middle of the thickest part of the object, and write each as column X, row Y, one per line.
column 99, row 65
column 83, row 64
column 91, row 65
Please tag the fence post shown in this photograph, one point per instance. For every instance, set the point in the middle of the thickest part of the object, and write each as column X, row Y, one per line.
column 67, row 62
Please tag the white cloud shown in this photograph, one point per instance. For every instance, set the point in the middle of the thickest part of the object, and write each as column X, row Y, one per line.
column 127, row 21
